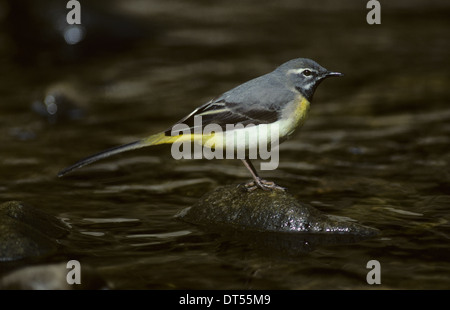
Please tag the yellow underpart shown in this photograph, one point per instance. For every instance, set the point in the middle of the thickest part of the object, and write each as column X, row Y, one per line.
column 301, row 111
column 161, row 138
column 293, row 116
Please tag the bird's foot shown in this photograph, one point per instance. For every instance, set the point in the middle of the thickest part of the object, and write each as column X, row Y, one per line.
column 264, row 185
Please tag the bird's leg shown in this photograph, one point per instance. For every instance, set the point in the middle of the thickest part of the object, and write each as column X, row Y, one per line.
column 258, row 182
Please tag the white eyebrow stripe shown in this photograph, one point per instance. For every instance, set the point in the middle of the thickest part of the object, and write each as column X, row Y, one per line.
column 298, row 71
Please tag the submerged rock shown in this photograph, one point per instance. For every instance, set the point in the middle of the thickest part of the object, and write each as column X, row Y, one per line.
column 265, row 211
column 27, row 232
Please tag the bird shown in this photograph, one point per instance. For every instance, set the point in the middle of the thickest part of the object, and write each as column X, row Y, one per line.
column 279, row 98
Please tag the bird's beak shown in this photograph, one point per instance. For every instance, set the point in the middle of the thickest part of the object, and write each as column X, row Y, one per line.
column 329, row 73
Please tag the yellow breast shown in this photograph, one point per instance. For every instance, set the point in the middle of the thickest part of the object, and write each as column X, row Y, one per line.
column 293, row 116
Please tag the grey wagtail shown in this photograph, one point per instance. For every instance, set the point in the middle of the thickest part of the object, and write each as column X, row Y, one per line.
column 281, row 97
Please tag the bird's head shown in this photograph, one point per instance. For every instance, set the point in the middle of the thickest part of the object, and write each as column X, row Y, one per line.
column 305, row 75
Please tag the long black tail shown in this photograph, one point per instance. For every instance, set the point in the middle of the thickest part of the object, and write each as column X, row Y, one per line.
column 159, row 138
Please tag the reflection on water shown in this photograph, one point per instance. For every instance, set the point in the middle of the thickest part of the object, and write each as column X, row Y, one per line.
column 374, row 149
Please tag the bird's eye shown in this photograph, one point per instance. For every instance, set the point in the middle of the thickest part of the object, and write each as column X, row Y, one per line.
column 307, row 72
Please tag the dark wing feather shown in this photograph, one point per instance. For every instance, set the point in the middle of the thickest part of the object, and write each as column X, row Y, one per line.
column 223, row 113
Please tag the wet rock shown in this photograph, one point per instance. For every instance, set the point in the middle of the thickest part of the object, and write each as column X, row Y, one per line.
column 264, row 211
column 51, row 277
column 27, row 232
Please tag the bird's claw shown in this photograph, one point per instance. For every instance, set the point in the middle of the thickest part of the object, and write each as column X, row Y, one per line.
column 264, row 185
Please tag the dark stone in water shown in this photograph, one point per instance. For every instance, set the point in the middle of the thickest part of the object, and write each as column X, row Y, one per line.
column 27, row 232
column 266, row 211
